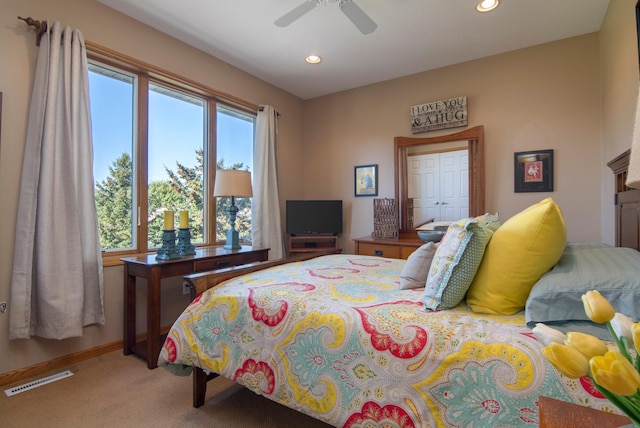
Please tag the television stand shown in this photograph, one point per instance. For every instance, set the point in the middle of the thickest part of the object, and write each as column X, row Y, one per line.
column 312, row 243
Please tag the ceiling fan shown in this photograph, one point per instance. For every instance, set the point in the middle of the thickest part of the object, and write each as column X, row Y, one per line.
column 351, row 10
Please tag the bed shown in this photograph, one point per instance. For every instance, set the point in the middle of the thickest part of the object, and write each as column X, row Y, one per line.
column 358, row 340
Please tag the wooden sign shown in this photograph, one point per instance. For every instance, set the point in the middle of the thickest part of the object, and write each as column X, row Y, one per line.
column 451, row 113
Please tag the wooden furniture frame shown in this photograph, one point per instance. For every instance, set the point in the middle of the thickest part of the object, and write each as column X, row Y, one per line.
column 475, row 143
column 312, row 243
column 559, row 414
column 146, row 266
column 395, row 248
column 627, row 201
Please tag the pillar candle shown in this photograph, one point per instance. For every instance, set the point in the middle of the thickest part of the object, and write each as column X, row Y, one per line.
column 168, row 220
column 184, row 219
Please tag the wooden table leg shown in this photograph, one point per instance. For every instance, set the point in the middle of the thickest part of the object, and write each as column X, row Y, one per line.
column 153, row 319
column 129, row 334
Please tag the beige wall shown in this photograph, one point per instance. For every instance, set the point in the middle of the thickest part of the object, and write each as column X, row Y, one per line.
column 111, row 29
column 544, row 97
column 575, row 96
column 619, row 84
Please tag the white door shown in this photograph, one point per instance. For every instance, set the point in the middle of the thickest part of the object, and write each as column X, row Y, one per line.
column 454, row 185
column 424, row 184
column 439, row 186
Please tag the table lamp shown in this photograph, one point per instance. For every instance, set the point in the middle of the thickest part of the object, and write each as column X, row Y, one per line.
column 232, row 183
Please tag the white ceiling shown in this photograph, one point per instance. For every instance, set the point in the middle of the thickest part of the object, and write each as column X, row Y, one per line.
column 412, row 35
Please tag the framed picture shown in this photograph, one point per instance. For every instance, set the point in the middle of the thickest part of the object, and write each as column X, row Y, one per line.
column 533, row 171
column 366, row 180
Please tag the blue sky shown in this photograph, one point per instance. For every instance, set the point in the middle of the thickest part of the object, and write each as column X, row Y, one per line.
column 176, row 129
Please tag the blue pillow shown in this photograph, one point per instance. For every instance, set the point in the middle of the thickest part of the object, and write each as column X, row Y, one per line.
column 613, row 271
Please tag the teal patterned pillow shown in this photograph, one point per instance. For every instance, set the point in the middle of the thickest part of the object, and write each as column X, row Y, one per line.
column 457, row 260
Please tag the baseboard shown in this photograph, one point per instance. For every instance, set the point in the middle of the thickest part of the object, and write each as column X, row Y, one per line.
column 57, row 363
column 65, row 361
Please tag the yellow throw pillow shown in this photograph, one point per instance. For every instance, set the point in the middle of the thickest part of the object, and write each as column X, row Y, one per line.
column 525, row 247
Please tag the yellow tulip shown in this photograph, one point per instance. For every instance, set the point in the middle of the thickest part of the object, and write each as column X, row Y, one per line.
column 635, row 331
column 588, row 345
column 567, row 360
column 615, row 373
column 598, row 309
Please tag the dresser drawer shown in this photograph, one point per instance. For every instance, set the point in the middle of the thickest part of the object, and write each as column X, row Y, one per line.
column 390, row 251
column 405, row 252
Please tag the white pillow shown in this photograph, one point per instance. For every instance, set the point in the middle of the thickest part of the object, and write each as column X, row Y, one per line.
column 416, row 269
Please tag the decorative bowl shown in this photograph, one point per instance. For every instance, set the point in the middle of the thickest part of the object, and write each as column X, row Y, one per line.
column 431, row 235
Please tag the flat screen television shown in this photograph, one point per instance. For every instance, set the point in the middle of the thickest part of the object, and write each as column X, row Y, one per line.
column 314, row 217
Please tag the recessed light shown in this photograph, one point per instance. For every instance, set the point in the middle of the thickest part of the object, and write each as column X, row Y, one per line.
column 313, row 59
column 487, row 5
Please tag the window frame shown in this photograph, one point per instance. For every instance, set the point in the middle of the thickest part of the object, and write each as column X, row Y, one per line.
column 145, row 75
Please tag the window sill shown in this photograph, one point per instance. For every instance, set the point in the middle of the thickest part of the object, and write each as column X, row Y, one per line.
column 109, row 261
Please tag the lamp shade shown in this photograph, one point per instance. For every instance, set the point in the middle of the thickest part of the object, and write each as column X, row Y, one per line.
column 232, row 182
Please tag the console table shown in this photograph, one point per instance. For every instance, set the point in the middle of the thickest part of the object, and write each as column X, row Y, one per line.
column 146, row 266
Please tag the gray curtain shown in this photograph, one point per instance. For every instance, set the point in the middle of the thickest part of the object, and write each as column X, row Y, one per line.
column 57, row 278
column 266, row 230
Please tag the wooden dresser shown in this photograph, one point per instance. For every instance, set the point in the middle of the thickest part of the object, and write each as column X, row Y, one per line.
column 395, row 248
column 627, row 202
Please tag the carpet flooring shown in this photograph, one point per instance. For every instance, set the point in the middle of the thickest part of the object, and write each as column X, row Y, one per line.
column 115, row 391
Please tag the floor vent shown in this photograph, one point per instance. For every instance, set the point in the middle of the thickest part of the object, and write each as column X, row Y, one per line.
column 36, row 383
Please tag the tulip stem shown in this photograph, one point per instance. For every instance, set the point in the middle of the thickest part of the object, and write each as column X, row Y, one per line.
column 622, row 344
column 629, row 405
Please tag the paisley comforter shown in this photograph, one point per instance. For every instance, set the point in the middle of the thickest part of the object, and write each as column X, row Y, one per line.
column 335, row 338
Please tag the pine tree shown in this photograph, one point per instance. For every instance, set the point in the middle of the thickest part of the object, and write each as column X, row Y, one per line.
column 182, row 190
column 114, row 205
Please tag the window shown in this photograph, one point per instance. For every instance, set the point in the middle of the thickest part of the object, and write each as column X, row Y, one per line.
column 235, row 136
column 112, row 125
column 152, row 149
column 176, row 161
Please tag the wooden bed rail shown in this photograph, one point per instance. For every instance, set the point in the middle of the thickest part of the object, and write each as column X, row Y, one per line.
column 200, row 282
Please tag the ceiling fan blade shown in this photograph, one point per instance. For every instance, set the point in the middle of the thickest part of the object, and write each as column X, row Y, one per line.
column 356, row 15
column 296, row 13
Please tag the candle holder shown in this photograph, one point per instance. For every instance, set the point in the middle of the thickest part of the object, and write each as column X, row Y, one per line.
column 185, row 247
column 169, row 250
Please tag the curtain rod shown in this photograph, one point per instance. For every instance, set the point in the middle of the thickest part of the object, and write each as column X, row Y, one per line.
column 261, row 108
column 40, row 26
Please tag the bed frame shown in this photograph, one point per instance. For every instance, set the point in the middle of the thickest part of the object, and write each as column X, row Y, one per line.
column 200, row 282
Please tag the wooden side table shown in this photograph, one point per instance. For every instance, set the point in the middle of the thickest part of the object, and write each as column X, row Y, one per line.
column 395, row 248
column 146, row 266
column 559, row 414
